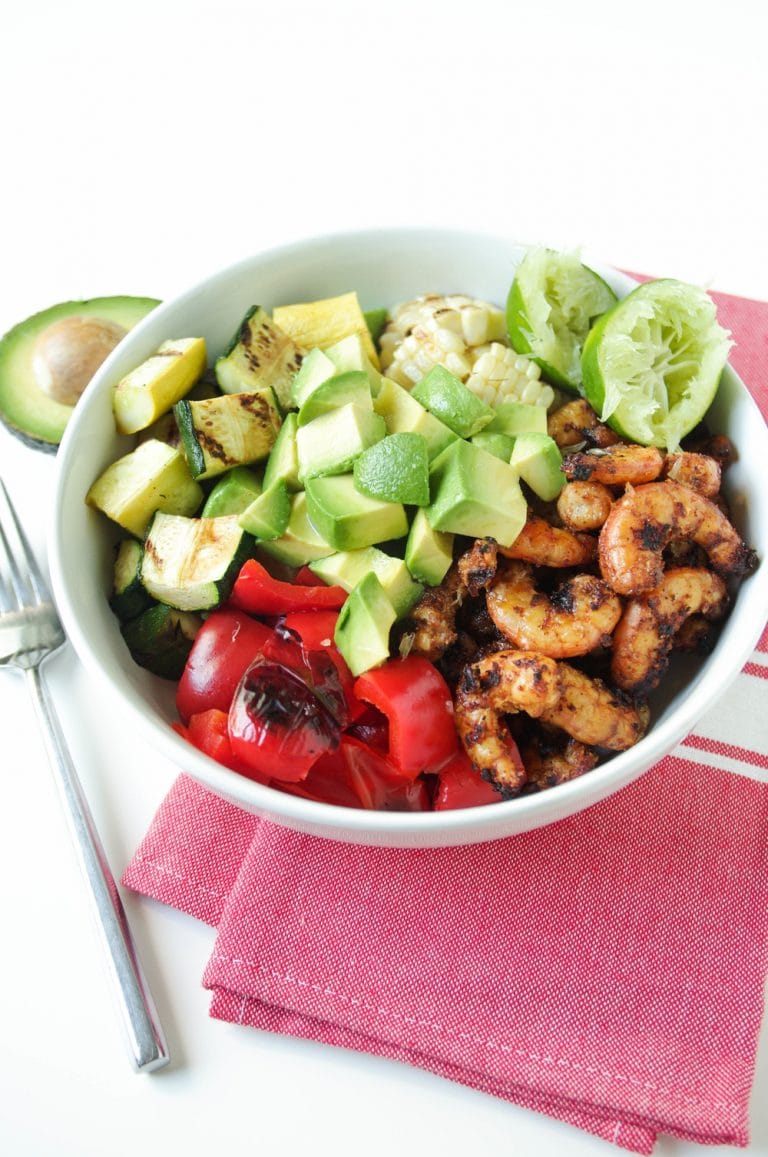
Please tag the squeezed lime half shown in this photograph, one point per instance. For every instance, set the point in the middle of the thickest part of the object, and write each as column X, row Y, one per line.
column 652, row 364
column 553, row 302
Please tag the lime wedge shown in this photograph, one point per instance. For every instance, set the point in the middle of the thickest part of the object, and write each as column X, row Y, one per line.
column 651, row 366
column 553, row 301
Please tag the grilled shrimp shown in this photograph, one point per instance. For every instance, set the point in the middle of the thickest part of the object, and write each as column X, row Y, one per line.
column 549, row 761
column 615, row 465
column 577, row 422
column 699, row 471
column 578, row 617
column 645, row 636
column 433, row 619
column 546, row 545
column 524, row 681
column 716, row 446
column 646, row 519
column 697, row 636
column 584, row 505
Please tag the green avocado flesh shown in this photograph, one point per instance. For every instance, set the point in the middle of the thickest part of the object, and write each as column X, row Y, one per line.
column 25, row 409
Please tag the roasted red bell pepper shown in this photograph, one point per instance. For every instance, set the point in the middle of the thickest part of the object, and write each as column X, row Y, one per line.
column 355, row 776
column 315, row 629
column 257, row 592
column 224, row 647
column 459, row 785
column 288, row 710
column 209, row 732
column 417, row 701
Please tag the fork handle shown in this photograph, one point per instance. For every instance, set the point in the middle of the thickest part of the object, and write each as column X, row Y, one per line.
column 145, row 1035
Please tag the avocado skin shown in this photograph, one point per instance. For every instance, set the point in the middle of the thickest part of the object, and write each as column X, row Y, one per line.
column 25, row 410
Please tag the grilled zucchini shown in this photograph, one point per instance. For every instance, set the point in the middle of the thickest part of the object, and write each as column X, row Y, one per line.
column 260, row 356
column 152, row 477
column 230, row 430
column 192, row 563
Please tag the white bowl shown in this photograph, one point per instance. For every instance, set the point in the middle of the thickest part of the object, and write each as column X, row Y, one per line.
column 384, row 266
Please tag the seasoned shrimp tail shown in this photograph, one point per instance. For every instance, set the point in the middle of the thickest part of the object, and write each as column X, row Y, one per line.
column 576, row 423
column 648, row 518
column 615, row 465
column 646, row 634
column 554, row 759
column 577, row 618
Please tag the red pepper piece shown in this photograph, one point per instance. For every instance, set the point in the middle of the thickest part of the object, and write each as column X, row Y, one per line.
column 288, row 710
column 306, row 577
column 355, row 776
column 417, row 701
column 257, row 592
column 209, row 732
column 224, row 648
column 315, row 629
column 461, row 786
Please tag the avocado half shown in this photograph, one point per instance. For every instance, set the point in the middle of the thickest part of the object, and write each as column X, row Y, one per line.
column 25, row 409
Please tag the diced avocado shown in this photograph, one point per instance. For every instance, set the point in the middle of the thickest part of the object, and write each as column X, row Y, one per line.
column 396, row 469
column 260, row 356
column 428, row 552
column 329, row 444
column 536, row 458
column 332, row 394
column 233, row 492
column 515, row 418
column 300, row 543
column 452, row 402
column 350, row 354
column 230, row 430
column 347, row 567
column 323, row 323
column 152, row 477
column 363, row 626
column 403, row 415
column 158, row 383
column 192, row 563
column 129, row 596
column 376, row 320
column 283, row 461
column 500, row 445
column 161, row 638
column 47, row 359
column 475, row 494
column 267, row 516
column 316, row 368
column 349, row 520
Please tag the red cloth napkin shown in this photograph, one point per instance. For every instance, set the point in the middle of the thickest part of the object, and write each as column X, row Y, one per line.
column 607, row 970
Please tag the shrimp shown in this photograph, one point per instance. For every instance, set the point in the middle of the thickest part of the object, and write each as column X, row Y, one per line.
column 699, row 471
column 578, row 617
column 546, row 545
column 508, row 682
column 615, row 466
column 549, row 762
column 575, row 423
column 646, row 519
column 646, row 634
column 696, row 636
column 433, row 619
column 584, row 505
column 716, row 446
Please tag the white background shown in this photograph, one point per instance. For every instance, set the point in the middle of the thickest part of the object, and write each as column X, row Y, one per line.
column 146, row 145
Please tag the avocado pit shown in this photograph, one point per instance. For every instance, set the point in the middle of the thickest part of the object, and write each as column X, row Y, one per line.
column 67, row 354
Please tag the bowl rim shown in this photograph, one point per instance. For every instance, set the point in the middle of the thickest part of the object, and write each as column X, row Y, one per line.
column 292, row 810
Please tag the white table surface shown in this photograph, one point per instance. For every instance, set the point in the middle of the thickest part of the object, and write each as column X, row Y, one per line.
column 143, row 147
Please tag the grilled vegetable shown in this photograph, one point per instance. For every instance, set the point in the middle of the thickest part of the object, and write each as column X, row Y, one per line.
column 231, row 430
column 192, row 563
column 467, row 337
column 129, row 595
column 161, row 638
column 153, row 387
column 260, row 356
column 323, row 323
column 152, row 477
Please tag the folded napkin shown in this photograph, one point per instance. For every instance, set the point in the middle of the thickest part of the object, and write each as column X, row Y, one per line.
column 607, row 970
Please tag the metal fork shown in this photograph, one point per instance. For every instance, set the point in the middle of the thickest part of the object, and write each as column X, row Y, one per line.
column 30, row 630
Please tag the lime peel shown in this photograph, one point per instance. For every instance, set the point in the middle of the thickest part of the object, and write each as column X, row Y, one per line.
column 552, row 303
column 652, row 364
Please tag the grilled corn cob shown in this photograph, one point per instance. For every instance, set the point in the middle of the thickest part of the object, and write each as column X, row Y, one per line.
column 466, row 336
